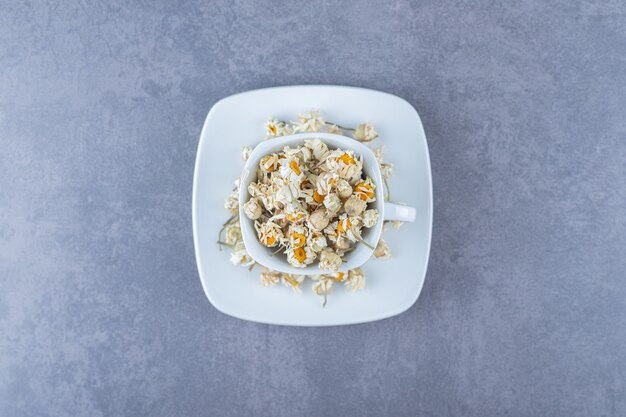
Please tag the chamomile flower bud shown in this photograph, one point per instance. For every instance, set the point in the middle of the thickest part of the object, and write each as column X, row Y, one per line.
column 323, row 286
column 329, row 260
column 319, row 219
column 382, row 250
column 370, row 218
column 269, row 278
column 245, row 152
column 354, row 206
column 252, row 209
column 344, row 189
column 332, row 203
column 232, row 203
column 355, row 280
column 365, row 132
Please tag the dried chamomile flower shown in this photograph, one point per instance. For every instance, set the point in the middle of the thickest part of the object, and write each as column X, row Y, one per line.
column 329, row 260
column 346, row 227
column 271, row 126
column 355, row 280
column 382, row 250
column 370, row 218
column 297, row 236
column 345, row 164
column 309, row 122
column 274, row 128
column 331, row 231
column 343, row 244
column 332, row 203
column 378, row 153
column 292, row 281
column 334, row 129
column 338, row 276
column 354, row 206
column 324, row 183
column 264, row 193
column 344, row 189
column 365, row 190
column 386, row 170
column 365, row 132
column 318, row 220
column 317, row 242
column 232, row 233
column 296, row 214
column 269, row 163
column 252, row 208
column 323, row 285
column 270, row 234
column 301, row 257
column 302, row 154
column 239, row 256
column 269, row 278
column 287, row 193
column 396, row 224
column 290, row 171
column 232, row 202
column 245, row 152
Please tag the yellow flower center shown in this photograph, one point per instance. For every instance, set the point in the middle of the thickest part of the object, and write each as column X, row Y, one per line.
column 294, row 217
column 319, row 198
column 298, row 240
column 347, row 159
column 364, row 191
column 294, row 167
column 299, row 254
column 269, row 240
column 343, row 226
column 272, row 129
column 339, row 276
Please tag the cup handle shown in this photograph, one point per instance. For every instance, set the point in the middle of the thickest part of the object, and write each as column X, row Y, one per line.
column 399, row 212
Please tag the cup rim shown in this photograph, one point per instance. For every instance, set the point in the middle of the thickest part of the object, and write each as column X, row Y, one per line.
column 260, row 253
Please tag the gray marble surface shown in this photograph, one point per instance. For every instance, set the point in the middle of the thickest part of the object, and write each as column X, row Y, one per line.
column 523, row 311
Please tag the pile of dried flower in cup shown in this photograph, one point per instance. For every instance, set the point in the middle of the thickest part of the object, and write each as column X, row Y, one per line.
column 311, row 203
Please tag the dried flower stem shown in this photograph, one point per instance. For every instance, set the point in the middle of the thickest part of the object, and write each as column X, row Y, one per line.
column 388, row 191
column 365, row 243
column 340, row 127
column 231, row 219
column 220, row 244
column 277, row 250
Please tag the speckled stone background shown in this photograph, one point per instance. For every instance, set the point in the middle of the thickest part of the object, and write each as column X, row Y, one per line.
column 523, row 311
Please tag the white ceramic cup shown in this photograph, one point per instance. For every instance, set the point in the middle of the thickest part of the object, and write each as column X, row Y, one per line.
column 371, row 168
